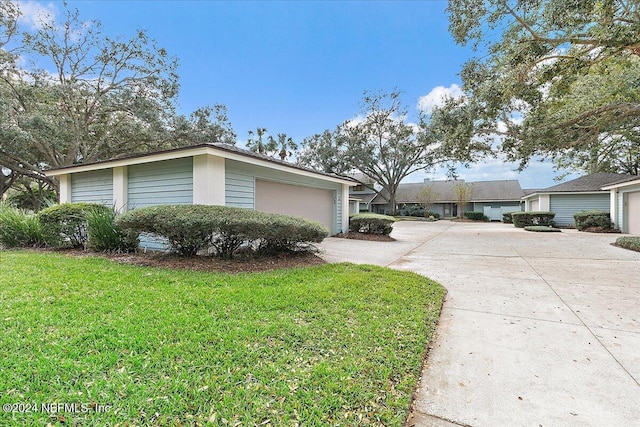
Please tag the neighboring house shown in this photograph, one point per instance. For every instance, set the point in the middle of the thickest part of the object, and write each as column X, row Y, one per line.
column 364, row 194
column 493, row 198
column 210, row 174
column 624, row 198
column 566, row 199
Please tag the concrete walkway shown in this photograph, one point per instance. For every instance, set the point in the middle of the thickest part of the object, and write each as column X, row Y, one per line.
column 538, row 329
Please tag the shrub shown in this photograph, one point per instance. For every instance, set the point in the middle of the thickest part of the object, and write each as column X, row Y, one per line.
column 436, row 215
column 542, row 229
column 584, row 220
column 629, row 242
column 192, row 228
column 105, row 235
column 476, row 216
column 524, row 219
column 371, row 224
column 506, row 218
column 66, row 223
column 19, row 228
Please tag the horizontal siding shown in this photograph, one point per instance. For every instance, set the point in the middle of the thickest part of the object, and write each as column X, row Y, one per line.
column 566, row 205
column 93, row 187
column 239, row 186
column 160, row 183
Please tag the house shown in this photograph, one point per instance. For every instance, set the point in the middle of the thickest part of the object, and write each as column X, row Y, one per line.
column 493, row 198
column 624, row 198
column 582, row 194
column 210, row 174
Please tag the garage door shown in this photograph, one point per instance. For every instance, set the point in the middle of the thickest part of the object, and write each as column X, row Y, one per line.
column 633, row 212
column 306, row 202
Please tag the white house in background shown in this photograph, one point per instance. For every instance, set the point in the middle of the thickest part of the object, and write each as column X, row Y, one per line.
column 210, row 174
column 581, row 194
column 624, row 197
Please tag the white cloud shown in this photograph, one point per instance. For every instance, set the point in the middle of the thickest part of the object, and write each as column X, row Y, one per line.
column 437, row 96
column 35, row 15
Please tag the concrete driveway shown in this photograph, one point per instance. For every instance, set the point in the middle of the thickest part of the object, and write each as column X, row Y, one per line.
column 538, row 329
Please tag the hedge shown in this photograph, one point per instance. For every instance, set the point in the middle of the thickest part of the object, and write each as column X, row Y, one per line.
column 629, row 242
column 476, row 216
column 66, row 223
column 192, row 228
column 371, row 223
column 506, row 218
column 523, row 219
column 542, row 229
column 588, row 219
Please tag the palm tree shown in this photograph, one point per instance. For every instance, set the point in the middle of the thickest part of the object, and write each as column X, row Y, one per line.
column 259, row 145
column 285, row 144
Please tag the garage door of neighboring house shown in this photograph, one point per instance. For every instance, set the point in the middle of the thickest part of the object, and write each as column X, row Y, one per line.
column 306, row 202
column 633, row 212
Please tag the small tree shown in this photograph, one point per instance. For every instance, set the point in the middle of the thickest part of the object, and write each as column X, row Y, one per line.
column 426, row 197
column 464, row 192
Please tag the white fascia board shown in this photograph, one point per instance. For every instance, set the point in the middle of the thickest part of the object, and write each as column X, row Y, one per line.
column 622, row 184
column 176, row 154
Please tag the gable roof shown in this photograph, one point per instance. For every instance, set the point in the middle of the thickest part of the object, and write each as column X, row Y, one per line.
column 223, row 150
column 588, row 183
column 444, row 191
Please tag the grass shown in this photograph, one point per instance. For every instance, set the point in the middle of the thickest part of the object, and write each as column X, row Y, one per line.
column 330, row 345
column 629, row 242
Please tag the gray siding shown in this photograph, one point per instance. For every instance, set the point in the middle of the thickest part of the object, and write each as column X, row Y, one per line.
column 169, row 182
column 93, row 186
column 239, row 185
column 566, row 205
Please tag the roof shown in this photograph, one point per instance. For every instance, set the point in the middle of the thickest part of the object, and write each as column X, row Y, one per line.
column 629, row 180
column 444, row 191
column 183, row 152
column 585, row 184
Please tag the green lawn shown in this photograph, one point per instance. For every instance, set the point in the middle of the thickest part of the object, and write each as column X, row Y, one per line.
column 330, row 345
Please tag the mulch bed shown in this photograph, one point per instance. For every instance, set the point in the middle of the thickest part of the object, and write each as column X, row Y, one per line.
column 240, row 264
column 362, row 236
column 601, row 230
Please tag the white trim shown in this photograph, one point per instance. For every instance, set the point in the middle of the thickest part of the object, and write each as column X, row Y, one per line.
column 208, row 180
column 175, row 154
column 613, row 207
column 345, row 208
column 120, row 190
column 622, row 184
column 65, row 188
column 562, row 193
column 545, row 203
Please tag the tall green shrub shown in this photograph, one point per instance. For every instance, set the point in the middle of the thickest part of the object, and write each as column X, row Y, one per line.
column 104, row 235
column 66, row 224
column 371, row 223
column 525, row 219
column 588, row 219
column 19, row 228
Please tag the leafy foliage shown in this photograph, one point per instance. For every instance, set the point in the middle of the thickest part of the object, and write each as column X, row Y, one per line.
column 463, row 192
column 560, row 81
column 542, row 229
column 381, row 144
column 629, row 242
column 19, row 228
column 192, row 228
column 104, row 235
column 66, row 223
column 525, row 219
column 371, row 223
column 476, row 216
column 584, row 220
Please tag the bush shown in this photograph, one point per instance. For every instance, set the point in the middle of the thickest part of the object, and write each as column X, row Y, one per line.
column 19, row 228
column 371, row 224
column 436, row 215
column 192, row 228
column 105, row 235
column 506, row 218
column 629, row 242
column 476, row 216
column 542, row 229
column 524, row 219
column 66, row 223
column 584, row 220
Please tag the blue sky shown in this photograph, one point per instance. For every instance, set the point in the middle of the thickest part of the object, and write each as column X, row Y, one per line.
column 301, row 67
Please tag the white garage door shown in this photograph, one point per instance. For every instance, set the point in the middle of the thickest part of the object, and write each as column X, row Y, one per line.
column 311, row 203
column 633, row 212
